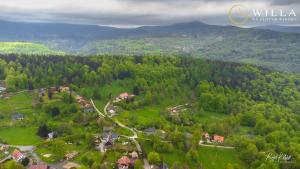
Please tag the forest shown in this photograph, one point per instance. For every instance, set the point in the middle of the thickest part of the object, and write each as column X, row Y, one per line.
column 259, row 108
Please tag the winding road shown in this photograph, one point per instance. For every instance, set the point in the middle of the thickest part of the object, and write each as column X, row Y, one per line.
column 133, row 130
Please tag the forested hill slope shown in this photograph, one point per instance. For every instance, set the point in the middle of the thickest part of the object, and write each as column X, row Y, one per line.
column 260, row 107
column 271, row 49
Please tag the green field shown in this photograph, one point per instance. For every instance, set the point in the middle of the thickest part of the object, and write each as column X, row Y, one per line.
column 210, row 158
column 21, row 101
column 26, row 47
column 211, row 117
column 20, row 136
column 217, row 158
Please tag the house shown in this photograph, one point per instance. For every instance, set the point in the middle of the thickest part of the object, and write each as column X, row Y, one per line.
column 124, row 162
column 53, row 89
column 206, row 136
column 134, row 155
column 3, row 148
column 150, row 131
column 79, row 99
column 108, row 139
column 88, row 108
column 17, row 155
column 112, row 112
column 218, row 139
column 71, row 155
column 114, row 136
column 39, row 166
column 108, row 143
column 2, row 89
column 64, row 89
column 17, row 116
column 52, row 135
column 124, row 96
column 71, row 165
column 42, row 92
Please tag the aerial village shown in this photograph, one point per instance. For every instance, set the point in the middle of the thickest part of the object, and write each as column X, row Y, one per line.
column 109, row 139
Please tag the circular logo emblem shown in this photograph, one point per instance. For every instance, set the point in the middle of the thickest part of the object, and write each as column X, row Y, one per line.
column 238, row 15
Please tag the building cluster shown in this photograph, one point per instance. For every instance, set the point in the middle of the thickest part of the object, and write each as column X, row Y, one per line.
column 213, row 139
column 177, row 109
column 107, row 139
column 123, row 96
column 85, row 105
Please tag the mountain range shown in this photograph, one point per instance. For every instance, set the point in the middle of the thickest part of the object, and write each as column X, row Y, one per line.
column 278, row 28
column 271, row 47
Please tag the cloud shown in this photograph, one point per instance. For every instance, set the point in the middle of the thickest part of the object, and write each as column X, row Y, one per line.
column 285, row 2
column 125, row 12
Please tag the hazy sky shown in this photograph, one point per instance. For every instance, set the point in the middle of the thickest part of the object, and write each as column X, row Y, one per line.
column 131, row 12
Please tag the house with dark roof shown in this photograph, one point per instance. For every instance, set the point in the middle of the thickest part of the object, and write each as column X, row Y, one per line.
column 150, row 130
column 17, row 116
column 114, row 136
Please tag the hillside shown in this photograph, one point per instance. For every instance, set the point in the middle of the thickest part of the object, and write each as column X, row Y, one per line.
column 26, row 47
column 165, row 104
column 270, row 49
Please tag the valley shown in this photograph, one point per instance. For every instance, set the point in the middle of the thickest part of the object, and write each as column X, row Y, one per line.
column 146, row 111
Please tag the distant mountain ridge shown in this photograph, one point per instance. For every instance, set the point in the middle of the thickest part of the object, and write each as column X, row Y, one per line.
column 287, row 29
column 259, row 46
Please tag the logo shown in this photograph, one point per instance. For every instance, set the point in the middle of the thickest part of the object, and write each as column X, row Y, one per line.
column 239, row 15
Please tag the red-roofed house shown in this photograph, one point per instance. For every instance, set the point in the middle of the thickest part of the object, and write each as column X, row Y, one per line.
column 39, row 166
column 124, row 96
column 218, row 139
column 17, row 155
column 124, row 162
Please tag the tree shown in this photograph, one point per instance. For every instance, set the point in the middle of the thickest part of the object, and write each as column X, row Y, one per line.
column 138, row 164
column 229, row 166
column 55, row 111
column 50, row 94
column 154, row 158
column 136, row 90
column 250, row 153
column 97, row 94
column 192, row 156
column 13, row 165
column 43, row 131
column 25, row 161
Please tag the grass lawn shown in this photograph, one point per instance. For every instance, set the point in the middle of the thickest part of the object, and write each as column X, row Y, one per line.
column 211, row 117
column 148, row 114
column 113, row 89
column 20, row 136
column 210, row 158
column 19, row 102
column 216, row 158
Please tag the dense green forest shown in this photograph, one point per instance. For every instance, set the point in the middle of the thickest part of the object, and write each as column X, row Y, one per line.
column 260, row 107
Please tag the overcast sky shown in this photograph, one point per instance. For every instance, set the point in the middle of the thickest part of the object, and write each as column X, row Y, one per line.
column 131, row 13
